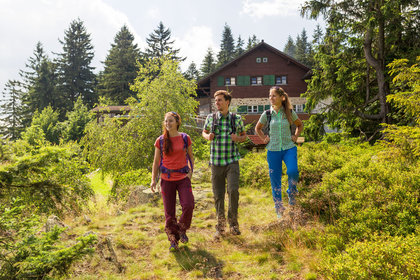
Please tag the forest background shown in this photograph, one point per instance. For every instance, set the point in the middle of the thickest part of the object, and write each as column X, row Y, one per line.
column 358, row 199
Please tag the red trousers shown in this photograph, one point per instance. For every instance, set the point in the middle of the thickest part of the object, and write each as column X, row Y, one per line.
column 173, row 227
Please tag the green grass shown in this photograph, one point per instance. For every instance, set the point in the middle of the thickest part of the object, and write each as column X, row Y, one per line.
column 101, row 183
column 141, row 245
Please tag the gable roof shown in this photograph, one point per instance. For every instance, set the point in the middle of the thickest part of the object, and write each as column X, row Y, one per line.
column 262, row 44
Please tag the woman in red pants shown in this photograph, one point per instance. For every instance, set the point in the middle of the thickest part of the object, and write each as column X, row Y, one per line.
column 174, row 158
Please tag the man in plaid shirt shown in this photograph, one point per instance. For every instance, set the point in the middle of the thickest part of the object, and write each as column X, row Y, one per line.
column 224, row 156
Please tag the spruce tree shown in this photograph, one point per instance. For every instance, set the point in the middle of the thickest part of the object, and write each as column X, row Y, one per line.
column 76, row 77
column 11, row 108
column 252, row 42
column 160, row 44
column 209, row 63
column 120, row 68
column 290, row 47
column 227, row 47
column 192, row 72
column 39, row 81
column 303, row 49
column 239, row 46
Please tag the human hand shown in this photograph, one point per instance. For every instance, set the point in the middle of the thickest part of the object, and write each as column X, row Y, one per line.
column 153, row 185
column 266, row 139
column 211, row 136
column 189, row 175
column 294, row 138
column 234, row 137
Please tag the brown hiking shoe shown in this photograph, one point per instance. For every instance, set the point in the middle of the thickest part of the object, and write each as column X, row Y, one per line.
column 218, row 234
column 234, row 230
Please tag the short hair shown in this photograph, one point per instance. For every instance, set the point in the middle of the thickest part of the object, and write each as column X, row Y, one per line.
column 225, row 94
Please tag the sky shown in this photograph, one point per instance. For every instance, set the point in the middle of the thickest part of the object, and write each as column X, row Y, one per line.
column 195, row 25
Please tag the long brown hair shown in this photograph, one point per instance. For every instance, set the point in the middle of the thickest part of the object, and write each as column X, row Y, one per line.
column 167, row 144
column 287, row 106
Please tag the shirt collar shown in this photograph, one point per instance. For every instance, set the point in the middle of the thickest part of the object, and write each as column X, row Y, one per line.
column 219, row 115
column 273, row 112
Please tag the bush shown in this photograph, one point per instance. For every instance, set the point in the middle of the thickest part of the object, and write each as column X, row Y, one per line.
column 27, row 253
column 382, row 258
column 254, row 171
column 51, row 178
column 122, row 183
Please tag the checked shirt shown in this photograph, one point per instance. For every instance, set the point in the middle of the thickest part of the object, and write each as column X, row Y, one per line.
column 223, row 151
column 280, row 134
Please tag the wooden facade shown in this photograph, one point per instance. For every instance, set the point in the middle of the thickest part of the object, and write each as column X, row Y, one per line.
column 249, row 79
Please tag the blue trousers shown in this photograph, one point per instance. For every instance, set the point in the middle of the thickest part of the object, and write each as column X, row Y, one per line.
column 275, row 159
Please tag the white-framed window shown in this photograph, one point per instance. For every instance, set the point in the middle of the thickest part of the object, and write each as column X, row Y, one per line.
column 281, row 80
column 265, row 59
column 256, row 81
column 298, row 108
column 252, row 109
column 230, row 81
column 258, row 60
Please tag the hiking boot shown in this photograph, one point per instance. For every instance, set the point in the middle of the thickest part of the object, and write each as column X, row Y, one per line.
column 234, row 230
column 280, row 211
column 183, row 238
column 174, row 247
column 218, row 234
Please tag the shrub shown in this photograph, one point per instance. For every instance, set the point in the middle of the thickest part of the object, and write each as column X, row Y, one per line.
column 27, row 253
column 382, row 258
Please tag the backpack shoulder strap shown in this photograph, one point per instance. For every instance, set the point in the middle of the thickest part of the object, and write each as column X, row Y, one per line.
column 268, row 114
column 233, row 122
column 161, row 148
column 214, row 122
column 185, row 138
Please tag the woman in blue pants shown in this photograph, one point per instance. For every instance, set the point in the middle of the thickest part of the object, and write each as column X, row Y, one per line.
column 280, row 144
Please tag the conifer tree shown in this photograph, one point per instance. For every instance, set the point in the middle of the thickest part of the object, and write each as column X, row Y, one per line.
column 227, row 47
column 76, row 77
column 11, row 109
column 290, row 47
column 192, row 72
column 209, row 63
column 252, row 42
column 160, row 44
column 303, row 49
column 39, row 81
column 120, row 68
column 239, row 46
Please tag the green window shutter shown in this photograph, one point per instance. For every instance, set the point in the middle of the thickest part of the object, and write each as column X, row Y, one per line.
column 240, row 81
column 269, row 80
column 266, row 107
column 247, row 80
column 220, row 81
column 242, row 109
column 260, row 108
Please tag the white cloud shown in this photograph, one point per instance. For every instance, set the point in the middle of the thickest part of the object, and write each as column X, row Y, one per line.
column 259, row 9
column 194, row 45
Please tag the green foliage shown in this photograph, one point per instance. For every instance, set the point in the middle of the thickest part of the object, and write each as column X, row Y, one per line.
column 74, row 127
column 314, row 127
column 50, row 178
column 120, row 68
column 123, row 183
column 209, row 63
column 118, row 146
column 227, row 47
column 27, row 253
column 44, row 126
column 405, row 140
column 386, row 257
column 11, row 123
column 75, row 75
column 160, row 45
column 254, row 171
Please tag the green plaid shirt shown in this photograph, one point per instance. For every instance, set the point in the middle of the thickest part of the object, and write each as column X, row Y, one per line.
column 280, row 134
column 223, row 150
